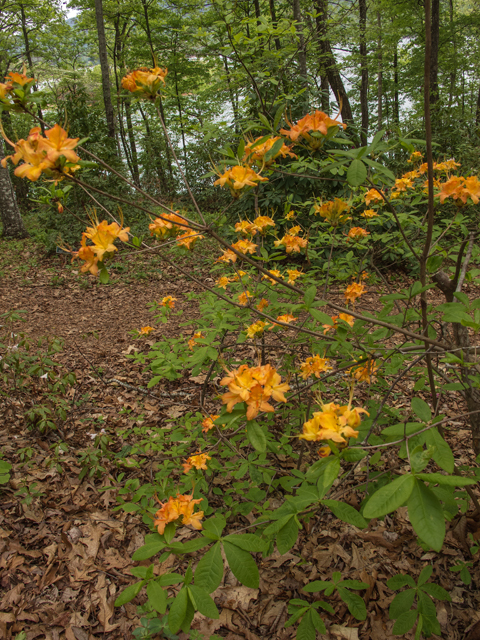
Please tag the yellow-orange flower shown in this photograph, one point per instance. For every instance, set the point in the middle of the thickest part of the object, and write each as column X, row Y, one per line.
column 145, row 331
column 239, row 177
column 86, row 254
column 357, row 233
column 324, row 452
column 238, row 275
column 285, row 318
column 144, row 81
column 317, row 122
column 274, row 272
column 369, row 213
column 460, row 188
column 290, row 215
column 181, row 506
column 261, row 223
column 415, row 156
column 293, row 274
column 446, row 165
column 246, row 227
column 170, row 224
column 256, row 329
column 244, row 246
column 365, row 372
column 223, row 282
column 411, row 175
column 243, row 297
column 354, row 291
column 291, row 241
column 334, row 211
column 103, row 235
column 262, row 304
column 333, row 422
column 188, row 240
column 255, row 152
column 193, row 341
column 342, row 316
column 57, row 143
column 208, row 423
column 227, row 256
column 18, row 78
column 373, row 195
column 198, row 460
column 314, row 366
column 168, row 301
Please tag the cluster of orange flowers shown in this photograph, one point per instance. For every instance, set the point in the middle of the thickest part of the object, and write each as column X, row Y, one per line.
column 145, row 82
column 366, row 372
column 103, row 235
column 172, row 225
column 334, row 211
column 357, row 233
column 342, row 316
column 44, row 154
column 256, row 329
column 261, row 224
column 168, row 302
column 181, row 506
column 208, row 423
column 314, row 366
column 373, row 195
column 333, row 422
column 145, row 331
column 193, row 341
column 197, row 461
column 460, row 189
column 354, row 291
column 239, row 177
column 369, row 213
column 9, row 97
column 256, row 150
column 316, row 123
column 254, row 386
column 292, row 241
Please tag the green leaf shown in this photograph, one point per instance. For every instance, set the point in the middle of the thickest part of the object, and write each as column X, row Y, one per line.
column 309, row 296
column 129, row 593
column 442, row 454
column 421, row 409
column 243, row 566
column 298, row 614
column 354, row 602
column 399, row 581
column 178, row 611
column 209, row 571
column 271, row 153
column 147, row 551
column 256, row 436
column 346, row 513
column 104, row 276
column 247, row 541
column 306, row 628
column 354, row 584
column 129, row 507
column 317, row 621
column 287, row 536
column 169, row 532
column 157, row 596
column 332, row 469
column 215, row 525
column 436, row 591
column 389, row 497
column 168, row 579
column 426, row 516
column 316, row 585
column 402, row 602
column 203, row 602
column 321, row 317
column 425, row 574
column 405, row 622
column 356, row 174
column 451, row 481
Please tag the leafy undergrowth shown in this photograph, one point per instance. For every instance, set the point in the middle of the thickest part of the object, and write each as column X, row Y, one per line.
column 65, row 546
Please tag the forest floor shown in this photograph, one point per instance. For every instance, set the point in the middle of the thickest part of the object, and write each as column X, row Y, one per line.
column 65, row 552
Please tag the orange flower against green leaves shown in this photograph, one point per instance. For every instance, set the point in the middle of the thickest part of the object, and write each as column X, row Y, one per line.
column 243, row 298
column 246, row 227
column 446, row 165
column 145, row 331
column 401, row 186
column 324, row 452
column 357, row 233
column 103, row 235
column 244, row 246
column 254, row 386
column 263, row 304
column 239, row 177
column 292, row 242
column 290, row 215
column 227, row 256
column 274, row 272
column 365, row 372
column 57, row 143
column 238, row 275
column 170, row 224
column 223, row 282
column 181, row 506
column 286, row 318
column 334, row 211
column 145, row 82
column 208, row 423
column 372, row 195
column 198, row 460
column 261, row 223
column 255, row 153
column 333, row 422
column 318, row 122
column 193, row 341
column 18, row 78
column 188, row 240
column 293, row 274
column 354, row 291
column 86, row 254
column 5, row 92
column 342, row 316
column 369, row 213
column 363, row 276
column 411, row 175
column 256, row 329
column 168, row 302
column 314, row 366
column 460, row 188
column 416, row 156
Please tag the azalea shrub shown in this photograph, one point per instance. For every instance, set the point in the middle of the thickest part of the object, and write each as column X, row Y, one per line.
column 296, row 365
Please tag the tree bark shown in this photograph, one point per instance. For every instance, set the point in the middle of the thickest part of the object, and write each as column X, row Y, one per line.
column 104, row 66
column 380, row 74
column 28, row 54
column 302, row 53
column 133, row 146
column 273, row 15
column 453, row 74
column 12, row 222
column 396, row 107
column 364, row 71
column 435, row 31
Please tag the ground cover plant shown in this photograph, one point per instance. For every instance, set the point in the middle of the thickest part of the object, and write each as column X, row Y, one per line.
column 296, row 409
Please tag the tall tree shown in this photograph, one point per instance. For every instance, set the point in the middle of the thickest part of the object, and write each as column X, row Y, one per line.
column 12, row 222
column 364, row 71
column 105, row 68
column 380, row 73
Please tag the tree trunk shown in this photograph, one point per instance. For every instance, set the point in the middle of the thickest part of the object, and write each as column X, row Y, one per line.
column 364, row 71
column 28, row 54
column 453, row 74
column 396, row 108
column 273, row 15
column 434, row 54
column 12, row 222
column 380, row 73
column 302, row 53
column 477, row 118
column 133, row 146
column 104, row 66
column 156, row 157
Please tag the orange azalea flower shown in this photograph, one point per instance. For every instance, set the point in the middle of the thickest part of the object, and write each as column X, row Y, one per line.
column 318, row 121
column 372, row 195
column 188, row 240
column 290, row 215
column 333, row 422
column 255, row 153
column 238, row 275
column 314, row 366
column 5, row 90
column 357, row 233
column 261, row 223
column 423, row 168
column 324, row 452
column 354, row 291
column 246, row 227
column 86, row 254
column 181, row 506
column 292, row 243
column 207, row 423
column 244, row 246
column 411, row 175
column 286, row 318
column 239, row 177
column 415, row 156
column 262, row 304
column 198, row 460
column 145, row 331
column 145, row 81
column 334, row 211
column 223, row 282
column 365, row 372
column 446, row 165
column 460, row 188
column 168, row 301
column 342, row 316
column 193, row 341
column 293, row 274
column 243, row 297
column 170, row 224
column 103, row 235
column 18, row 78
column 369, row 213
column 228, row 256
column 57, row 143
column 256, row 329
column 274, row 272
column 254, row 386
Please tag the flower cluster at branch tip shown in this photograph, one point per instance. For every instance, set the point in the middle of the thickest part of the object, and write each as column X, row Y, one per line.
column 416, row 156
column 373, row 195
column 254, row 386
column 256, row 329
column 314, row 366
column 354, row 291
column 168, row 302
column 293, row 274
column 357, row 233
column 198, row 460
column 103, row 235
column 261, row 224
column 14, row 94
column 145, row 331
column 263, row 304
column 292, row 241
column 365, row 372
column 342, row 316
column 227, row 256
column 401, row 186
column 276, row 273
column 181, row 506
column 334, row 211
column 208, row 423
column 51, row 154
column 172, row 225
column 256, row 151
column 145, row 82
column 244, row 297
column 460, row 189
column 290, row 215
column 333, row 422
column 244, row 246
column 239, row 177
column 316, row 123
column 193, row 341
column 286, row 318
column 369, row 213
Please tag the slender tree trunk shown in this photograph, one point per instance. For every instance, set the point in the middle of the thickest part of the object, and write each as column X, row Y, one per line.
column 273, row 15
column 477, row 118
column 104, row 66
column 256, row 4
column 325, row 87
column 435, row 31
column 364, row 71
column 396, row 107
column 133, row 145
column 302, row 53
column 230, row 92
column 453, row 73
column 162, row 178
column 380, row 73
column 12, row 222
column 28, row 54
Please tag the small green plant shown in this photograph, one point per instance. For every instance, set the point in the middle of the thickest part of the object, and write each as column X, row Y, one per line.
column 425, row 613
column 5, row 468
column 28, row 493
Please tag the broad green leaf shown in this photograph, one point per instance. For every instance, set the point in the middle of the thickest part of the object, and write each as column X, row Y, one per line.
column 421, row 409
column 215, row 525
column 256, row 436
column 320, row 316
column 405, row 622
column 425, row 574
column 402, row 602
column 209, row 571
column 426, row 516
column 243, row 566
column 157, row 596
column 451, row 481
column 346, row 513
column 354, row 602
column 298, row 614
column 129, row 593
column 275, row 527
column 203, row 602
column 178, row 610
column 356, row 174
column 306, row 628
column 287, row 536
column 442, row 455
column 147, row 551
column 389, row 497
column 271, row 153
column 247, row 541
column 309, row 296
column 317, row 621
column 316, row 585
column 399, row 581
column 332, row 469
column 436, row 591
